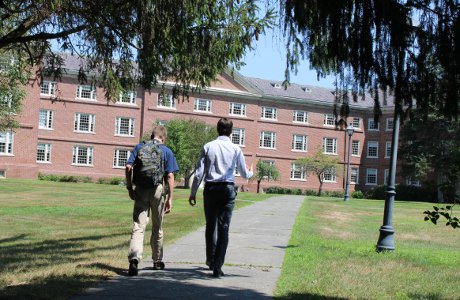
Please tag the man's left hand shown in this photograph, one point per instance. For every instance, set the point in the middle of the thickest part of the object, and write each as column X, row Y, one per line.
column 168, row 206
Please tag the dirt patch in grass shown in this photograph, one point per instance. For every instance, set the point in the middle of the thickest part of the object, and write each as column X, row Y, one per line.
column 335, row 233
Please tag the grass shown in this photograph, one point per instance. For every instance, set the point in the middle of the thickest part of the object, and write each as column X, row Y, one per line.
column 331, row 254
column 58, row 238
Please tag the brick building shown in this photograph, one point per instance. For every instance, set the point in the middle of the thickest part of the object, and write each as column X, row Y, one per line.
column 70, row 129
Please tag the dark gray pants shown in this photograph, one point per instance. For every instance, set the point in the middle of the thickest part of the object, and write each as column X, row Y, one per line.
column 219, row 200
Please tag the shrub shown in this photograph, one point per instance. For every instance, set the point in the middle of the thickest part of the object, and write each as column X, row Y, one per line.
column 48, row 177
column 357, row 195
column 64, row 178
column 310, row 193
column 117, row 181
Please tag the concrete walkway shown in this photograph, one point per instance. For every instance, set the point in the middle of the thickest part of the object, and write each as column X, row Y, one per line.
column 259, row 234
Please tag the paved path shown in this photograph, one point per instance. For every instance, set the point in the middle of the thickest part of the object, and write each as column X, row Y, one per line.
column 259, row 234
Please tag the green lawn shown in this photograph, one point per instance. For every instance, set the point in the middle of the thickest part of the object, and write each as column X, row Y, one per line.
column 59, row 238
column 331, row 254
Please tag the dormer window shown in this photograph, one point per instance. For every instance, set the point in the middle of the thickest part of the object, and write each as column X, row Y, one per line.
column 306, row 89
column 276, row 85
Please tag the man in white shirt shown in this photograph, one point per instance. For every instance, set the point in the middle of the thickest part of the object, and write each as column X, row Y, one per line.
column 216, row 166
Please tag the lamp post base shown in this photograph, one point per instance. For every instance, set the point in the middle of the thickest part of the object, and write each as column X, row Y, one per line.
column 386, row 240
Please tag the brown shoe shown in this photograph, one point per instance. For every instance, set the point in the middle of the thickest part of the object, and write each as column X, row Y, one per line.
column 158, row 265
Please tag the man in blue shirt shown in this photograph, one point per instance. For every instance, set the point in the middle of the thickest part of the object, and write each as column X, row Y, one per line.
column 150, row 200
column 217, row 164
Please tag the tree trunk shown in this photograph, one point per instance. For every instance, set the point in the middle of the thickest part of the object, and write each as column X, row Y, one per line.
column 320, row 190
column 187, row 179
column 258, row 186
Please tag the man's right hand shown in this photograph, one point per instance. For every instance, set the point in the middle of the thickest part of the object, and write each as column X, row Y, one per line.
column 132, row 194
column 192, row 200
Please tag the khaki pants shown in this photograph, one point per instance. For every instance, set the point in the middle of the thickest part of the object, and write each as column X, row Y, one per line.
column 148, row 201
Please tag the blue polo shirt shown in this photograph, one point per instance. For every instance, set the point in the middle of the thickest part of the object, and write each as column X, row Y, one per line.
column 170, row 163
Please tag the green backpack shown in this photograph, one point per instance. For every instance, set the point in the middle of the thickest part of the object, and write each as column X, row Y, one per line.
column 149, row 165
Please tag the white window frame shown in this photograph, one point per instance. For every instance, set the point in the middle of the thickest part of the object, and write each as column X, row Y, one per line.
column 82, row 90
column 372, row 145
column 354, row 175
column 238, row 136
column 127, row 97
column 78, row 157
column 372, row 126
column 78, row 123
column 43, row 150
column 412, row 182
column 330, row 146
column 267, row 140
column 373, row 173
column 237, row 109
column 385, row 178
column 389, row 124
column 356, row 122
column 268, row 113
column 298, row 172
column 119, row 162
column 6, row 143
column 329, row 120
column 299, row 143
column 355, row 148
column 45, row 119
column 48, row 88
column 330, row 175
column 300, row 116
column 2, row 172
column 129, row 127
column 166, row 101
column 202, row 105
column 387, row 149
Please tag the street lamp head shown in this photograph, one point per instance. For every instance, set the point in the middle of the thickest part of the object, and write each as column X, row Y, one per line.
column 350, row 129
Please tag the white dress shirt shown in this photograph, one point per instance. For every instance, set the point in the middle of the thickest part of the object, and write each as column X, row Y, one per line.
column 217, row 163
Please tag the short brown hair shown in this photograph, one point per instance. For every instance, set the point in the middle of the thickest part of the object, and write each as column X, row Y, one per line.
column 224, row 127
column 159, row 132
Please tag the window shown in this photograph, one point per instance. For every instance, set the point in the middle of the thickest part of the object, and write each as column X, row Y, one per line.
column 237, row 109
column 372, row 149
column 84, row 122
column 7, row 104
column 202, row 105
column 82, row 156
column 162, row 122
column 355, row 148
column 267, row 140
column 44, row 153
column 238, row 136
column 329, row 175
column 385, row 178
column 412, row 181
column 298, row 172
column 372, row 125
column 124, row 126
column 356, row 123
column 6, row 142
column 330, row 145
column 120, row 157
column 45, row 119
column 2, row 174
column 299, row 142
column 48, row 88
column 390, row 123
column 387, row 149
column 354, row 175
column 268, row 113
column 300, row 116
column 127, row 97
column 86, row 92
column 371, row 177
column 329, row 120
column 167, row 101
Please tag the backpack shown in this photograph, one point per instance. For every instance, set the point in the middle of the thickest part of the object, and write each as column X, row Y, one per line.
column 149, row 165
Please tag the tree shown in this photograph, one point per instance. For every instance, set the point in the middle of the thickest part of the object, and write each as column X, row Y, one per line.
column 411, row 48
column 188, row 42
column 265, row 170
column 186, row 138
column 320, row 164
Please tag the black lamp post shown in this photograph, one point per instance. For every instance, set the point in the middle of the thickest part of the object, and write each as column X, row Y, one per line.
column 350, row 131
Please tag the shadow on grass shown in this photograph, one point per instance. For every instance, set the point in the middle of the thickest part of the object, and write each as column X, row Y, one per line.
column 298, row 296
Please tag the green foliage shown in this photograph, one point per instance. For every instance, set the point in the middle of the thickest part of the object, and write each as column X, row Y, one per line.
column 111, row 180
column 64, row 178
column 186, row 138
column 445, row 212
column 404, row 193
column 357, row 195
column 296, row 191
column 375, row 45
column 265, row 170
column 318, row 164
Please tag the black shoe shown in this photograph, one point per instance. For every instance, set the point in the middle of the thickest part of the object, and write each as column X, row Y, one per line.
column 158, row 265
column 133, row 268
column 217, row 272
